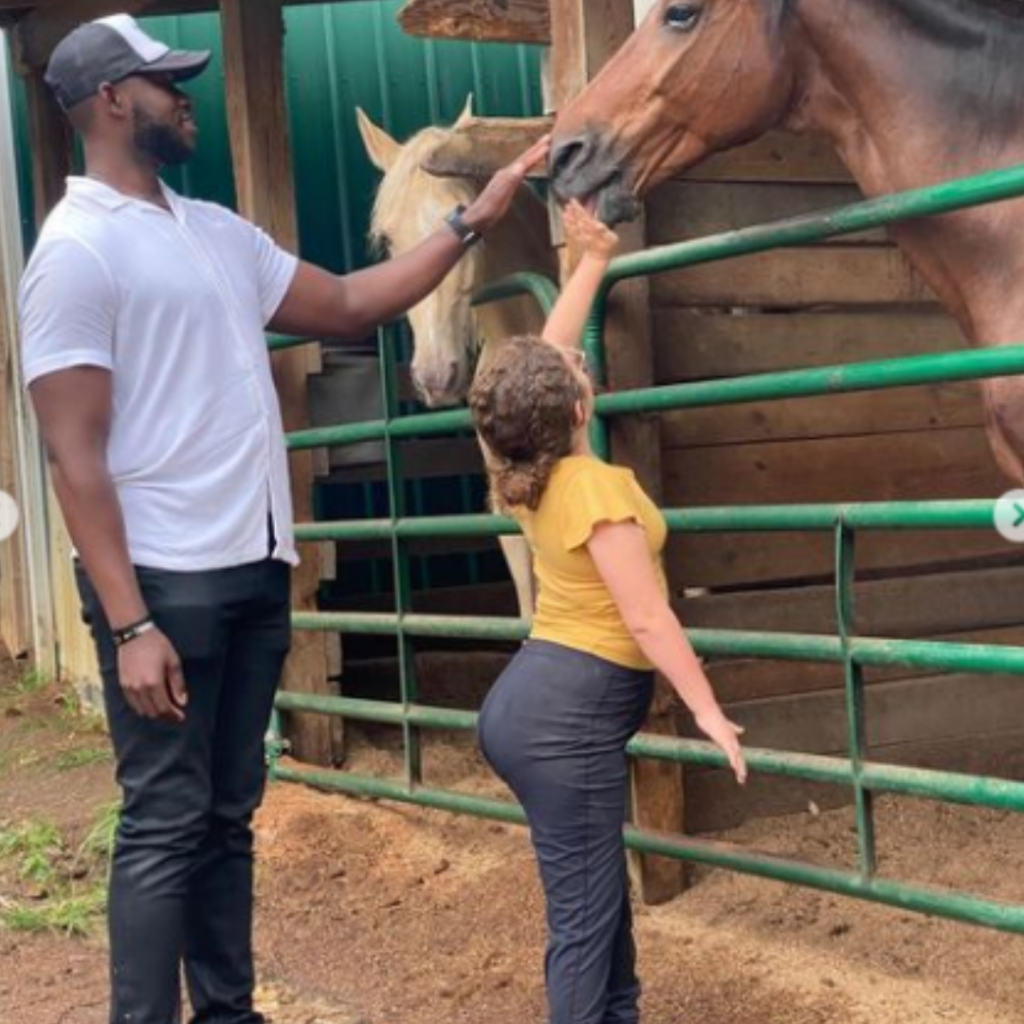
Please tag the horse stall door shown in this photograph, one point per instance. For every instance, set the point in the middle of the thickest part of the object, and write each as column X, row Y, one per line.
column 844, row 301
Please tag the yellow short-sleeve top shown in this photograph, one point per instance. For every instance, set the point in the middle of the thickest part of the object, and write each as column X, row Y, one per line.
column 574, row 606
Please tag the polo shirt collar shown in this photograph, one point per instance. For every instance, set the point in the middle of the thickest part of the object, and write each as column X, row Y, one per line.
column 96, row 191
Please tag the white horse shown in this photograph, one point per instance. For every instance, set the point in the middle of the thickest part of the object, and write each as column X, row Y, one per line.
column 451, row 337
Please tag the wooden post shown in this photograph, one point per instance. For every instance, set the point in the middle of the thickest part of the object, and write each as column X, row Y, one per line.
column 254, row 72
column 51, row 138
column 584, row 35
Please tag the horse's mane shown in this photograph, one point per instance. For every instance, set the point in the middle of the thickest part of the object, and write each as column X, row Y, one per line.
column 393, row 193
column 966, row 21
column 981, row 79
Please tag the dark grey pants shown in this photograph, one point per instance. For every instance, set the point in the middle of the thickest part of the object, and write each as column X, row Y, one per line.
column 181, row 888
column 555, row 728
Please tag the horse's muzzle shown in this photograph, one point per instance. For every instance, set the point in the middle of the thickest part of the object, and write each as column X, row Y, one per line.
column 584, row 167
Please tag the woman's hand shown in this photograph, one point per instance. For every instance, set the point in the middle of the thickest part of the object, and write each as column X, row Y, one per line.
column 726, row 736
column 588, row 233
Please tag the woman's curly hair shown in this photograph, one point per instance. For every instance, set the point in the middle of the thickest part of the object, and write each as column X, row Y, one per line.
column 524, row 403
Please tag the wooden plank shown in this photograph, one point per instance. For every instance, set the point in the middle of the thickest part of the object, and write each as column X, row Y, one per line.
column 905, row 711
column 15, row 631
column 483, row 145
column 717, row 803
column 869, row 412
column 796, row 279
column 743, row 679
column 697, row 345
column 35, row 36
column 717, row 561
column 254, row 79
column 51, row 148
column 915, row 466
column 505, row 21
column 687, row 209
column 40, row 24
column 584, row 36
column 777, row 156
column 921, row 605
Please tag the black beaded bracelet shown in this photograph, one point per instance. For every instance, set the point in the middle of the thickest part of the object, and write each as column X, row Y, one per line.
column 132, row 632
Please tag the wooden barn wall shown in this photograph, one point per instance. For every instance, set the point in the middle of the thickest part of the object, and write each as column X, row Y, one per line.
column 847, row 300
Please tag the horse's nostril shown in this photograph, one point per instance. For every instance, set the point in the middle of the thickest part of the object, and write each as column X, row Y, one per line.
column 569, row 156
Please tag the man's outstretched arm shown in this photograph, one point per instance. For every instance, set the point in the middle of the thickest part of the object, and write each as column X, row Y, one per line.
column 321, row 304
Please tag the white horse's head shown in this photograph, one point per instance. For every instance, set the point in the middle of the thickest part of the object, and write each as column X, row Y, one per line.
column 410, row 205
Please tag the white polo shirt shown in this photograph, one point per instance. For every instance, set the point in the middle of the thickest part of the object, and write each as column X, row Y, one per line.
column 174, row 305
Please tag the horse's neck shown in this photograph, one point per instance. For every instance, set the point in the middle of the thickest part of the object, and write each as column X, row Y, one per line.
column 892, row 101
column 879, row 96
column 519, row 243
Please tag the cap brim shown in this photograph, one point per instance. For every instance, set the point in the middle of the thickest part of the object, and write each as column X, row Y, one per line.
column 181, row 65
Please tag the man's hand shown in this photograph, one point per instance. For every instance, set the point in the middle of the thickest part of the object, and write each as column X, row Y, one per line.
column 152, row 678
column 492, row 204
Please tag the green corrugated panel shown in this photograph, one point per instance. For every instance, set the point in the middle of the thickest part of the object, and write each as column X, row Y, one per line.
column 338, row 57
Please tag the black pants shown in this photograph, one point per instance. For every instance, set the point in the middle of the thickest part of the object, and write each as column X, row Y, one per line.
column 555, row 728
column 181, row 888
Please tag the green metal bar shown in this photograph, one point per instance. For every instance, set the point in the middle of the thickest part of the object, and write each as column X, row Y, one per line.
column 841, row 379
column 872, row 375
column 949, row 657
column 815, row 227
column 925, row 899
column 274, row 744
column 412, row 750
column 902, row 515
column 280, row 342
column 845, row 542
column 538, row 286
column 999, row 794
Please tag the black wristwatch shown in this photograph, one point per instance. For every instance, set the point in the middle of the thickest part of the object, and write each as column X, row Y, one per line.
column 463, row 232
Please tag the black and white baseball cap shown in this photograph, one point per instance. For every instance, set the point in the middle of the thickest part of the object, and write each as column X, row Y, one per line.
column 110, row 50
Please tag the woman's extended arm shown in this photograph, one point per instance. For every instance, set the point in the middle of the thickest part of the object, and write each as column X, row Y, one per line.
column 622, row 558
column 569, row 317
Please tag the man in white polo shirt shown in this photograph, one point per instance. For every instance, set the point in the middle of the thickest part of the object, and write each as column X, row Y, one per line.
column 143, row 318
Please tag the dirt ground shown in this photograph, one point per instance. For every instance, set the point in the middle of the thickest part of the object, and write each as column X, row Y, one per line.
column 376, row 913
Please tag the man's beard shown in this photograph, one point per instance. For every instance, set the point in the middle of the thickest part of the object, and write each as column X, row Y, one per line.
column 162, row 143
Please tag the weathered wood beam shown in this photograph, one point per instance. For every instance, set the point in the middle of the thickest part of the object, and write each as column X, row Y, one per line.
column 38, row 25
column 258, row 119
column 484, row 145
column 504, row 21
column 584, row 35
column 50, row 139
column 36, row 36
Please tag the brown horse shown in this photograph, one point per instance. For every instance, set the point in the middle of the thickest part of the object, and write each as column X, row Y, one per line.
column 910, row 92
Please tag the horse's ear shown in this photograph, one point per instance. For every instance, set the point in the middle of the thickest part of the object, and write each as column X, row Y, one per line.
column 467, row 113
column 380, row 147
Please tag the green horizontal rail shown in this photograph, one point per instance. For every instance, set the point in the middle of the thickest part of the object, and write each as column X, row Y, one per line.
column 872, row 375
column 959, row 194
column 281, row 342
column 975, row 514
column 765, row 387
column 925, row 899
column 541, row 288
column 999, row 794
column 950, row 657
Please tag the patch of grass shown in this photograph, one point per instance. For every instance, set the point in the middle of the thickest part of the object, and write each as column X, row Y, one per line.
column 36, row 846
column 32, row 680
column 69, row 896
column 70, row 915
column 98, row 845
column 69, row 760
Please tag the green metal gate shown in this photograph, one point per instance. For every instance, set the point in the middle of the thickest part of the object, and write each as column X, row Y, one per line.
column 845, row 522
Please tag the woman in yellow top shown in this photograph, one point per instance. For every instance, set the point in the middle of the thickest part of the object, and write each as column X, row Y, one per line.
column 556, row 723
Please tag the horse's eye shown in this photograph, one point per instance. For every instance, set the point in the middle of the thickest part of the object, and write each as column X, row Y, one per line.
column 683, row 17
